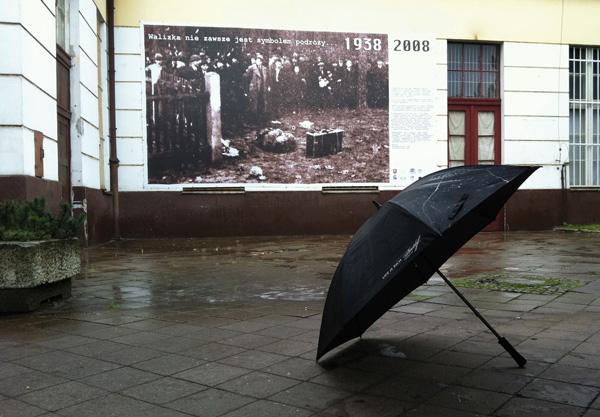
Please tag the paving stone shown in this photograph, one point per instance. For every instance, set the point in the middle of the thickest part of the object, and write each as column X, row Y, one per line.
column 494, row 381
column 174, row 344
column 297, row 368
column 258, row 384
column 366, row 406
column 119, row 379
column 570, row 394
column 348, row 379
column 96, row 348
column 27, row 382
column 406, row 389
column 573, row 374
column 247, row 326
column 310, row 396
column 265, row 408
column 281, row 332
column 209, row 403
column 592, row 413
column 147, row 324
column 581, row 359
column 253, row 359
column 469, row 399
column 288, row 347
column 212, row 373
column 507, row 365
column 436, row 411
column 20, row 351
column 467, row 360
column 527, row 407
column 11, row 369
column 15, row 408
column 168, row 364
column 435, row 372
column 62, row 395
column 140, row 338
column 163, row 390
column 63, row 342
column 128, row 355
column 113, row 405
column 66, row 364
column 212, row 351
column 249, row 341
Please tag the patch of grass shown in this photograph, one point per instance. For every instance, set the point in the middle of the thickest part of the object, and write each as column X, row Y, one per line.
column 519, row 284
column 589, row 228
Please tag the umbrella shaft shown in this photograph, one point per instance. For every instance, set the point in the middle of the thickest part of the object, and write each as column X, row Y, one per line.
column 473, row 309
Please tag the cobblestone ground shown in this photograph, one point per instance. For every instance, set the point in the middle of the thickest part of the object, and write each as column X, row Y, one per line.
column 226, row 327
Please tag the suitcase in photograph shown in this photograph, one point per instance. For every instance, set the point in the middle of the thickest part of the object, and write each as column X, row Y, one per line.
column 324, row 142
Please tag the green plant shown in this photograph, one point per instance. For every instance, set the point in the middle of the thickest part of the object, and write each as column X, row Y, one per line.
column 30, row 220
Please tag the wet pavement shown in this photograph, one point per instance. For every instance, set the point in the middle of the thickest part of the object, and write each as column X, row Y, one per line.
column 229, row 327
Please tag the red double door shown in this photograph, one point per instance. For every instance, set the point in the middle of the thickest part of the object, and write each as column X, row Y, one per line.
column 474, row 138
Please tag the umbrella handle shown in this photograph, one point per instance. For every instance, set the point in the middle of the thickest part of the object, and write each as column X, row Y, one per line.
column 521, row 361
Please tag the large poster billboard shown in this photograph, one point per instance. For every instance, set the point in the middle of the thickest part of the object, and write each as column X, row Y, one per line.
column 240, row 106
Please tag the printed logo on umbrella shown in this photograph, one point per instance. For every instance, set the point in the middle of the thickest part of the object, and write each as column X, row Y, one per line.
column 407, row 254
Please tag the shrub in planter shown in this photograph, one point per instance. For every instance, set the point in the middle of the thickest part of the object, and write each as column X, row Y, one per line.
column 39, row 254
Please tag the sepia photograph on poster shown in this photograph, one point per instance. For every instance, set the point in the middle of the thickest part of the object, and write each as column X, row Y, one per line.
column 237, row 106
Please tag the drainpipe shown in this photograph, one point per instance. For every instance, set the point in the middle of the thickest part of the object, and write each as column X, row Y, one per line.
column 112, row 120
column 563, row 184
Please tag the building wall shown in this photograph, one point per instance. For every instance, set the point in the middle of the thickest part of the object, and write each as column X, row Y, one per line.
column 27, row 43
column 534, row 71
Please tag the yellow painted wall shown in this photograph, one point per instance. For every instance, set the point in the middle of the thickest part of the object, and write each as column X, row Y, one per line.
column 490, row 20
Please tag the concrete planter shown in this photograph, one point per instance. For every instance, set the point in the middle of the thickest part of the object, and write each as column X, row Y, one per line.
column 33, row 272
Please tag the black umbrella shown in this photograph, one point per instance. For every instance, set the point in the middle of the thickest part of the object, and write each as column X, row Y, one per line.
column 407, row 240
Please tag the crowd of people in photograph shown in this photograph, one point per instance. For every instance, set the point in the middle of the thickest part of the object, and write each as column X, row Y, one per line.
column 258, row 86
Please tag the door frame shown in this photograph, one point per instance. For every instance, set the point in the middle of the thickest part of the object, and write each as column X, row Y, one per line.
column 471, row 107
column 63, row 104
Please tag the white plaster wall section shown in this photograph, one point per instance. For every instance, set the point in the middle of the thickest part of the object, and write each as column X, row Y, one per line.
column 536, row 79
column 105, row 101
column 12, row 150
column 130, row 124
column 90, row 170
column 128, row 67
column 89, row 74
column 536, row 112
column 50, row 159
column 128, row 96
column 131, row 177
column 77, row 124
column 11, row 111
column 526, row 103
column 89, row 106
column 35, row 17
column 89, row 140
column 129, row 114
column 535, row 128
column 547, row 177
column 39, row 110
column 532, row 152
column 127, row 41
column 131, row 151
column 535, row 55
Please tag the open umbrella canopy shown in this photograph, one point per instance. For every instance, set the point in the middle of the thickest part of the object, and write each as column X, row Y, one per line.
column 407, row 240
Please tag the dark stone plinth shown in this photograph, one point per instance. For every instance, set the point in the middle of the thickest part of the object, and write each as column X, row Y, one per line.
column 22, row 300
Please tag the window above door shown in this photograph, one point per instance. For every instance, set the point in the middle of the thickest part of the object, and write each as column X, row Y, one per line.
column 473, row 70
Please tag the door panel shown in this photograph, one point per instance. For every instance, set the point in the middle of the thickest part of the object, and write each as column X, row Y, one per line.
column 474, row 139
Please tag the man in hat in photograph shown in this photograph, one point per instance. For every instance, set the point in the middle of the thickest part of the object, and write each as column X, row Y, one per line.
column 257, row 78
